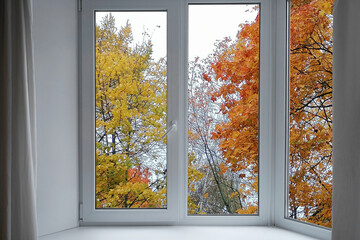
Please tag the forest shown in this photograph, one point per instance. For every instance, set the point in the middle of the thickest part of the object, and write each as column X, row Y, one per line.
column 223, row 119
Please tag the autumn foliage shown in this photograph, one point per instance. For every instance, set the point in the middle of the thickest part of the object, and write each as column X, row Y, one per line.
column 310, row 122
column 223, row 124
column 130, row 121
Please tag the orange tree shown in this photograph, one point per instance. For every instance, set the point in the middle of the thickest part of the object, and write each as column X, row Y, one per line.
column 130, row 121
column 235, row 69
column 213, row 188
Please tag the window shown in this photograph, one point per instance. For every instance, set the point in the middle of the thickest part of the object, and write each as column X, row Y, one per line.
column 303, row 106
column 184, row 113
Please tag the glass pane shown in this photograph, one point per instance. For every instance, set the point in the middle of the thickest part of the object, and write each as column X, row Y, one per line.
column 130, row 109
column 223, row 109
column 310, row 120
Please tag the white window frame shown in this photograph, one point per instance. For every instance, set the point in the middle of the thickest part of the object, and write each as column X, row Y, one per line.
column 91, row 215
column 282, row 132
column 265, row 106
column 273, row 97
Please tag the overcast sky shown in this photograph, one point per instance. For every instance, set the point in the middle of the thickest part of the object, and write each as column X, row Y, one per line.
column 207, row 24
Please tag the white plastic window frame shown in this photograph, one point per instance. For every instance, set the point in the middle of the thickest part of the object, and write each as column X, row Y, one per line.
column 265, row 116
column 91, row 215
column 273, row 88
column 282, row 134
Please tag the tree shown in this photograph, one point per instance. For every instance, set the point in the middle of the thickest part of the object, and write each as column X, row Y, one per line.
column 310, row 163
column 229, row 88
column 237, row 67
column 221, row 189
column 130, row 120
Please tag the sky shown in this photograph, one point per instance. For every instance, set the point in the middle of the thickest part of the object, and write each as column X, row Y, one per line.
column 154, row 23
column 207, row 24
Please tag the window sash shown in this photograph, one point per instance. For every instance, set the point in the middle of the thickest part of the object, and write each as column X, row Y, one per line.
column 281, row 135
column 87, row 116
column 264, row 132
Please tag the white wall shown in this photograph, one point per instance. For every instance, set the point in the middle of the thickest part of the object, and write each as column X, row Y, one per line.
column 55, row 45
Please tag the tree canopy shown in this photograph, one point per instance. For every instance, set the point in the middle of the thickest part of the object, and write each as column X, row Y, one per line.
column 130, row 120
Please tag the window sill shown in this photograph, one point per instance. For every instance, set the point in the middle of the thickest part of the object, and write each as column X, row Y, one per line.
column 176, row 233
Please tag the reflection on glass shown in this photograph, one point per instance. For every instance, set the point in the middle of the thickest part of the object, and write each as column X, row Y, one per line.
column 130, row 109
column 223, row 109
column 310, row 120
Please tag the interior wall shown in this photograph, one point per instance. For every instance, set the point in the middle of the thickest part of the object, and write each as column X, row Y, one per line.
column 55, row 55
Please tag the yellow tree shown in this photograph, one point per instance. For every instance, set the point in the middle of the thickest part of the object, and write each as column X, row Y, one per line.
column 130, row 120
